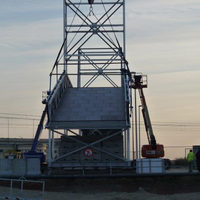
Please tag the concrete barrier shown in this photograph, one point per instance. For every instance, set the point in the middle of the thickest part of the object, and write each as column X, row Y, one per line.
column 6, row 167
column 33, row 166
column 20, row 167
column 155, row 165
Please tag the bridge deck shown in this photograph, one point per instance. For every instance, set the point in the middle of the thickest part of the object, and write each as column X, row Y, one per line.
column 90, row 108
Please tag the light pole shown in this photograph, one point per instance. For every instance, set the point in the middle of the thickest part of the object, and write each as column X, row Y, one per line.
column 136, row 133
column 132, row 115
column 139, row 132
column 33, row 127
column 8, row 128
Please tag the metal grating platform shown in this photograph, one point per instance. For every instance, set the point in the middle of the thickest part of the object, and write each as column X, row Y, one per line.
column 90, row 108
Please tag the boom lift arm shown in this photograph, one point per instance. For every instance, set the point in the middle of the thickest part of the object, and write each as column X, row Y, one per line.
column 39, row 131
column 33, row 153
column 152, row 150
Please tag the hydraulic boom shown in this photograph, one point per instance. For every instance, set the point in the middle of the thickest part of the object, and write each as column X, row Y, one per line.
column 152, row 150
column 33, row 153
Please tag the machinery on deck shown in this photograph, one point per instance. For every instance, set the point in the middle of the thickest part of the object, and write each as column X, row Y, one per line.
column 152, row 150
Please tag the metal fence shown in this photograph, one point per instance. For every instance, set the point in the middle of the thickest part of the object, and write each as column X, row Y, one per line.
column 21, row 189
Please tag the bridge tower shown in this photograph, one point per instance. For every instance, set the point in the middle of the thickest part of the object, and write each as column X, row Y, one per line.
column 89, row 98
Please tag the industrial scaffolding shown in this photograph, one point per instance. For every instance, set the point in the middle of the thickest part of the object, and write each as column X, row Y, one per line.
column 89, row 101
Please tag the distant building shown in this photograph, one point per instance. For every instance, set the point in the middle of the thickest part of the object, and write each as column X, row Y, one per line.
column 24, row 145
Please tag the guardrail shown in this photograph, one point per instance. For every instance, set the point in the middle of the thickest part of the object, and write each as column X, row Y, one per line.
column 56, row 95
column 17, row 189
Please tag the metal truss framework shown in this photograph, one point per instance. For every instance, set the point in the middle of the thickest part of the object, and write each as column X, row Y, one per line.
column 51, row 135
column 76, row 52
column 105, row 61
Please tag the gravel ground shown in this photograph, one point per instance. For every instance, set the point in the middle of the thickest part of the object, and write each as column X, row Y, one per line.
column 154, row 188
column 138, row 195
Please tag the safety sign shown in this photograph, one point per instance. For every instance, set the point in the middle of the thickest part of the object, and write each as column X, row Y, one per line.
column 88, row 152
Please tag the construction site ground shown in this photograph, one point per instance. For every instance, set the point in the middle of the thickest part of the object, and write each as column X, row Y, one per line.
column 154, row 185
column 155, row 188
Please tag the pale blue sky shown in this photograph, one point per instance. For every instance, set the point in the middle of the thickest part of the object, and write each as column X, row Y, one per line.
column 163, row 41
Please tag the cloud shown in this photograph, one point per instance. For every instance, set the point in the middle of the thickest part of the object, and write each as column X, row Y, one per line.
column 32, row 35
column 163, row 34
column 30, row 5
column 162, row 42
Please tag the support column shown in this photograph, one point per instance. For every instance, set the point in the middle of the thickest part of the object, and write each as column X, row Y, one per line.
column 139, row 132
column 124, row 25
column 128, row 144
column 132, row 129
column 64, row 31
column 136, row 133
column 52, row 146
column 79, row 69
column 65, row 132
column 125, row 146
column 49, row 150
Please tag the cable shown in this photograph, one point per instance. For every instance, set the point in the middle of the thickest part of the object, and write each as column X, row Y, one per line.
column 76, row 32
column 72, row 39
column 19, row 114
column 18, row 118
column 109, row 20
column 157, row 123
column 70, row 29
column 105, row 30
column 74, row 17
column 84, row 22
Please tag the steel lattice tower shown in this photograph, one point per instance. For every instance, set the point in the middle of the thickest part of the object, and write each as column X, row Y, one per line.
column 89, row 97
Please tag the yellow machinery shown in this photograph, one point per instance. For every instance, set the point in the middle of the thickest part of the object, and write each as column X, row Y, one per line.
column 12, row 154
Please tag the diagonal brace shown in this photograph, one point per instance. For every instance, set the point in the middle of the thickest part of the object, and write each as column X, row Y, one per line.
column 88, row 145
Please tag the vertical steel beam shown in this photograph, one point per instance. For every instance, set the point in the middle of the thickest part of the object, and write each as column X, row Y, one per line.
column 125, row 146
column 128, row 144
column 123, row 80
column 139, row 132
column 66, row 132
column 52, row 145
column 64, row 32
column 124, row 29
column 136, row 133
column 132, row 129
column 79, row 69
column 65, row 36
column 49, row 150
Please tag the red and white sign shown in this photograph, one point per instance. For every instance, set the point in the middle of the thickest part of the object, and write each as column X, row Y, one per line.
column 88, row 152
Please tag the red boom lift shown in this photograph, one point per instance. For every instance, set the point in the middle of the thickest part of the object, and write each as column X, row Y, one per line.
column 151, row 150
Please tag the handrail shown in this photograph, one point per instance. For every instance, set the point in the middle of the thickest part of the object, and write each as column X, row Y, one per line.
column 11, row 194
